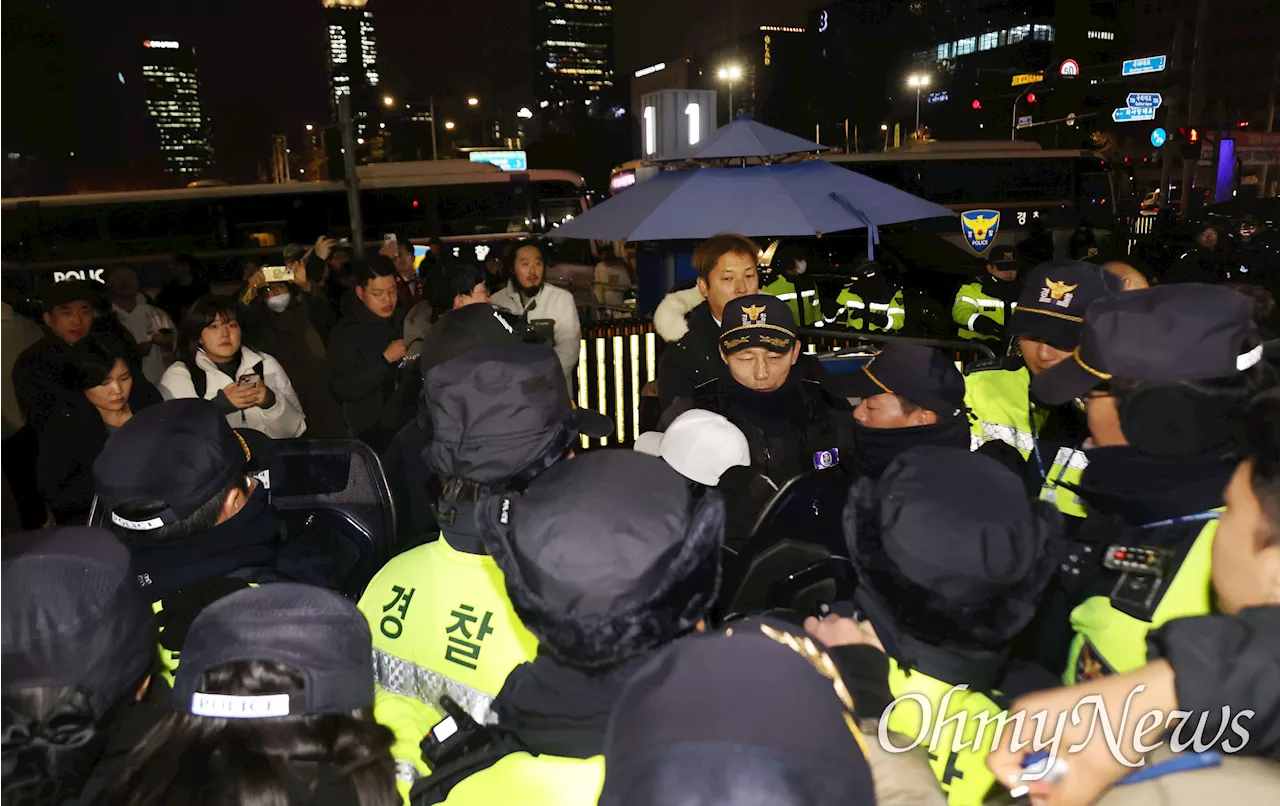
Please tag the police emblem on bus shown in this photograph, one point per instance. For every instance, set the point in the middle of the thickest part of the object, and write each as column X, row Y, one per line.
column 754, row 315
column 979, row 228
column 825, row 459
column 1057, row 292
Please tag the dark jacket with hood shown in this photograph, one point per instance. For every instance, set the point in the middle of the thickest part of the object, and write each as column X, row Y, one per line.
column 361, row 378
column 38, row 380
column 691, row 361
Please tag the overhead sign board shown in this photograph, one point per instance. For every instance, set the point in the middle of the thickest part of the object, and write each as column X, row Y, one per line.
column 506, row 160
column 1070, row 67
column 1023, row 79
column 1129, row 114
column 1144, row 100
column 1149, row 64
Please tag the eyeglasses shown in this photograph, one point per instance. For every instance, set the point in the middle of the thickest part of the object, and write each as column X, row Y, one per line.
column 1082, row 403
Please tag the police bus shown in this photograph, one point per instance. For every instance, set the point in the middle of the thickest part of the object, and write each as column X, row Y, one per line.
column 469, row 204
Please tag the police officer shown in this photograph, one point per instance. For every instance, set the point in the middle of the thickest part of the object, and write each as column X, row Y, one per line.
column 176, row 485
column 771, row 392
column 871, row 302
column 1047, row 325
column 1164, row 374
column 789, row 284
column 498, row 414
column 982, row 307
column 951, row 559
column 910, row 395
column 607, row 557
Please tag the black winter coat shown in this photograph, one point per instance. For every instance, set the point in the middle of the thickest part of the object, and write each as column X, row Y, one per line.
column 367, row 386
column 693, row 360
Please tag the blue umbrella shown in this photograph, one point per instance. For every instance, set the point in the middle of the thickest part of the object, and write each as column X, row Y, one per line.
column 746, row 138
column 801, row 199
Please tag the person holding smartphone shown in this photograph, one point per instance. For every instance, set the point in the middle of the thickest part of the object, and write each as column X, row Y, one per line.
column 248, row 386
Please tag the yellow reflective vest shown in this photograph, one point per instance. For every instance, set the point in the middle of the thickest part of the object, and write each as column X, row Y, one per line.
column 971, row 302
column 999, row 401
column 1108, row 641
column 528, row 780
column 803, row 302
column 442, row 625
column 876, row 317
column 959, row 763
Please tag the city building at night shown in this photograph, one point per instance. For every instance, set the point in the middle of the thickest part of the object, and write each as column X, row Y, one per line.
column 172, row 91
column 353, row 58
column 573, row 55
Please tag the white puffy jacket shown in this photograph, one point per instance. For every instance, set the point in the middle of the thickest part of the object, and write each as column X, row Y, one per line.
column 552, row 303
column 283, row 420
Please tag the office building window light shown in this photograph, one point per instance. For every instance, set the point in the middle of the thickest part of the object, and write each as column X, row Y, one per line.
column 944, row 51
column 966, row 46
column 1105, row 35
column 1018, row 33
column 989, row 40
column 1042, row 33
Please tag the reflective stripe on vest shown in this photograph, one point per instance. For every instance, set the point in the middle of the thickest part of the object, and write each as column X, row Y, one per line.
column 1022, row 440
column 1110, row 642
column 1068, row 466
column 399, row 676
column 963, row 774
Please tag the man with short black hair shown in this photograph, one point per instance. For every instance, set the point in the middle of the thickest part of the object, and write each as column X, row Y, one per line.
column 530, row 297
column 366, row 354
column 176, row 486
column 69, row 311
column 448, row 284
column 726, row 267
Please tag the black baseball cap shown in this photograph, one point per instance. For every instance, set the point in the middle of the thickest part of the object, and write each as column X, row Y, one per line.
column 1054, row 298
column 317, row 633
column 1004, row 256
column 754, row 714
column 757, row 320
column 467, row 328
column 920, row 374
column 607, row 555
column 180, row 452
column 496, row 410
column 73, row 615
column 948, row 548
column 69, row 291
column 1170, row 333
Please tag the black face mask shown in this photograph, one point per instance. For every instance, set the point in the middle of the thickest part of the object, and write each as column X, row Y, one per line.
column 876, row 448
column 780, row 404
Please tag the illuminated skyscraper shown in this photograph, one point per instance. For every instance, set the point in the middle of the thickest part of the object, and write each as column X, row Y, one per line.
column 573, row 52
column 353, row 57
column 173, row 103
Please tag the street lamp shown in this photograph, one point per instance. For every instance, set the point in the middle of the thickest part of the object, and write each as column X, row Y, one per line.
column 525, row 113
column 387, row 100
column 919, row 81
column 884, row 127
column 448, row 124
column 473, row 101
column 730, row 73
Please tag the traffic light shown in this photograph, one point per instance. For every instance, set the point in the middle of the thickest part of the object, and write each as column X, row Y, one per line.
column 1031, row 97
column 976, row 104
column 1189, row 142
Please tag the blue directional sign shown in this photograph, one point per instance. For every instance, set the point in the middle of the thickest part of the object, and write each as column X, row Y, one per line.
column 1136, row 67
column 1158, row 136
column 1127, row 114
column 1144, row 100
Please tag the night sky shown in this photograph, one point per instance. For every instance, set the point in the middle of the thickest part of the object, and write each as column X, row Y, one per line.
column 262, row 62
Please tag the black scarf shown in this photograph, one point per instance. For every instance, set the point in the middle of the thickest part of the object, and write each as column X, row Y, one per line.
column 1006, row 290
column 249, row 539
column 773, row 412
column 1140, row 489
column 876, row 448
column 558, row 710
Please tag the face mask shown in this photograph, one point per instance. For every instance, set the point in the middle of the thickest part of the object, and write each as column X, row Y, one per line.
column 279, row 302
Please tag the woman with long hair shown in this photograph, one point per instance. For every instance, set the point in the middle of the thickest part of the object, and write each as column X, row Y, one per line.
column 272, row 707
column 249, row 386
column 100, row 397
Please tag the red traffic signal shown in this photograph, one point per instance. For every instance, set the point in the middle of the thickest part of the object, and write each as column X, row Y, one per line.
column 1031, row 97
column 976, row 104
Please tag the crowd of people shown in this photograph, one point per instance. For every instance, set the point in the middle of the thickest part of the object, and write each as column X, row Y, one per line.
column 809, row 584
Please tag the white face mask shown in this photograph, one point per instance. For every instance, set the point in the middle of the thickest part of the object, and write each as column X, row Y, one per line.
column 279, row 302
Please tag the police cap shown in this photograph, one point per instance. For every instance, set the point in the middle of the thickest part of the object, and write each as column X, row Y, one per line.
column 918, row 373
column 757, row 320
column 317, row 633
column 754, row 714
column 181, row 453
column 1169, row 333
column 607, row 555
column 1055, row 297
column 73, row 615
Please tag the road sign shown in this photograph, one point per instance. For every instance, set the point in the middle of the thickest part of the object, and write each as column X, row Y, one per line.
column 1144, row 100
column 1025, row 120
column 1026, row 78
column 1128, row 114
column 1158, row 136
column 1070, row 67
column 1071, row 119
column 1149, row 64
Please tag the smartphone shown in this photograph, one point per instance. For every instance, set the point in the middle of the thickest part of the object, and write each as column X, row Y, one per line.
column 251, row 380
column 277, row 274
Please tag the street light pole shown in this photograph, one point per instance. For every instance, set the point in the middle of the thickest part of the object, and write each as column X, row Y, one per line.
column 919, row 82
column 435, row 155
